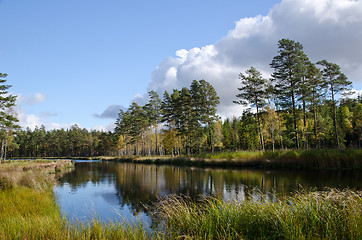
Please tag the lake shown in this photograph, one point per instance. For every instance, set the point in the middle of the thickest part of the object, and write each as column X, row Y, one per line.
column 112, row 191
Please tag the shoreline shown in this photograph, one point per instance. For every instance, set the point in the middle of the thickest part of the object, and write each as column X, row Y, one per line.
column 326, row 159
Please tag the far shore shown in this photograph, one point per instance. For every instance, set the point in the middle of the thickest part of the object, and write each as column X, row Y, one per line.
column 288, row 159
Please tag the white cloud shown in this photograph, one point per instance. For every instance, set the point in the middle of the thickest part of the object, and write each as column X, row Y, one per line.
column 31, row 100
column 31, row 120
column 328, row 29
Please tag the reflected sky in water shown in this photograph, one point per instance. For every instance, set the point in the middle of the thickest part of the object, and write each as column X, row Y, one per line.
column 113, row 191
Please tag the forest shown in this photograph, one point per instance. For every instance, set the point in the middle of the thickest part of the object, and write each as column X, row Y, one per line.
column 303, row 105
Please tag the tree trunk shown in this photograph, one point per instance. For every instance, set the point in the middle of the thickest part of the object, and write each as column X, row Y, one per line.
column 317, row 141
column 334, row 117
column 260, row 133
column 6, row 146
column 210, row 136
column 280, row 132
column 295, row 121
column 156, row 136
column 2, row 150
column 305, row 126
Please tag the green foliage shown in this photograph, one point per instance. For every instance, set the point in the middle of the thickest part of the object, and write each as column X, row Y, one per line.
column 253, row 92
column 187, row 113
column 73, row 142
column 289, row 72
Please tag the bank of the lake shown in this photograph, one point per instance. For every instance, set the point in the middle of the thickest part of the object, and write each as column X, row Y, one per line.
column 28, row 210
column 323, row 159
column 333, row 159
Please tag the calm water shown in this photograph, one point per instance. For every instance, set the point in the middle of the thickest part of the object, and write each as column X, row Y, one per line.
column 126, row 191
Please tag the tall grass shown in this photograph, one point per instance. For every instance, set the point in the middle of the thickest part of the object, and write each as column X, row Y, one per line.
column 306, row 159
column 31, row 214
column 28, row 209
column 317, row 215
column 287, row 159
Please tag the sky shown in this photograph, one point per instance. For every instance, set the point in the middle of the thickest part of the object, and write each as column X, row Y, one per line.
column 79, row 62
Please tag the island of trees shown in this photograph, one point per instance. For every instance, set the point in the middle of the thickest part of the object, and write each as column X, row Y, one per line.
column 300, row 107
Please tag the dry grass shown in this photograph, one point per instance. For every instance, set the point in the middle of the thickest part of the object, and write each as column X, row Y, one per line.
column 32, row 174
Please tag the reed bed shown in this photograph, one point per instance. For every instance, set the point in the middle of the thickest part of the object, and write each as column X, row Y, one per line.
column 329, row 214
column 302, row 159
column 280, row 159
column 33, row 174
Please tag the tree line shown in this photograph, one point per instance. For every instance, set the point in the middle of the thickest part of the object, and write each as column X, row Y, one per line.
column 300, row 106
column 72, row 142
column 302, row 99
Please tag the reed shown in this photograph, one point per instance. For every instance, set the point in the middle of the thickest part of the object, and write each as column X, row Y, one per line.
column 280, row 159
column 329, row 214
column 302, row 159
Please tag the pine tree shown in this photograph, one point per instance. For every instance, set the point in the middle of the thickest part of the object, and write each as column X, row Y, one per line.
column 315, row 83
column 288, row 73
column 337, row 83
column 253, row 92
column 153, row 111
column 7, row 119
column 205, row 100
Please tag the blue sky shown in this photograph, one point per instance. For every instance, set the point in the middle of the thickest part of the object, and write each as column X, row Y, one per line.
column 79, row 61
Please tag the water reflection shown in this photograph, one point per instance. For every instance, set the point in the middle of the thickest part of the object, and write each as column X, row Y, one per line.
column 116, row 191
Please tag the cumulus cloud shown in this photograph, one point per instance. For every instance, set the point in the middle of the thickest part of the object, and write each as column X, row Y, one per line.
column 328, row 29
column 110, row 112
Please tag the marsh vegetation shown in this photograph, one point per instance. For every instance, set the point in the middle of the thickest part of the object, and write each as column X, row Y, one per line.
column 29, row 211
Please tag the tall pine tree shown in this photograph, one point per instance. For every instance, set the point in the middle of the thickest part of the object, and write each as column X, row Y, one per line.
column 288, row 73
column 8, row 122
column 337, row 83
column 253, row 92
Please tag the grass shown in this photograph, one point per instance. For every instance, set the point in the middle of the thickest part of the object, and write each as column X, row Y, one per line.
column 307, row 159
column 279, row 159
column 28, row 209
column 317, row 215
column 288, row 159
